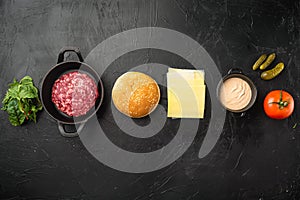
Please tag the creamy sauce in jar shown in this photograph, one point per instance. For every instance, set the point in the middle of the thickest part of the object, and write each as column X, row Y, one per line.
column 235, row 94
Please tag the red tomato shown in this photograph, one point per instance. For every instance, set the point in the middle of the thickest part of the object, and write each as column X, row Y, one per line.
column 278, row 104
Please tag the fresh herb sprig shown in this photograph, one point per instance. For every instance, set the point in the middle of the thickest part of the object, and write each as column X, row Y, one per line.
column 21, row 101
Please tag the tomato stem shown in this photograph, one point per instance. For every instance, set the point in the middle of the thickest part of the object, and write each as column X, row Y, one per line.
column 281, row 104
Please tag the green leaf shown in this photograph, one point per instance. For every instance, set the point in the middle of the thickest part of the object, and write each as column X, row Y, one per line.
column 22, row 101
column 38, row 104
column 27, row 91
column 26, row 105
column 12, row 92
column 15, row 116
column 27, row 80
column 32, row 116
column 6, row 99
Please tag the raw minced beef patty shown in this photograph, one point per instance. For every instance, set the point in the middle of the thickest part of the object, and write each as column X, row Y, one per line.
column 74, row 93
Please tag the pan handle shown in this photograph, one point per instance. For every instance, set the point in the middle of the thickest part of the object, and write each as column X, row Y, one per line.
column 235, row 70
column 62, row 130
column 69, row 49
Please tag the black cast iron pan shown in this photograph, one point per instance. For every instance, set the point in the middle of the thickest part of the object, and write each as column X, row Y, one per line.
column 53, row 74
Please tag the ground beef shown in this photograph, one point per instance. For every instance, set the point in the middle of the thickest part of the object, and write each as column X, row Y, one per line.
column 74, row 93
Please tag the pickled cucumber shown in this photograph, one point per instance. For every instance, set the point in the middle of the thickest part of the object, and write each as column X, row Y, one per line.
column 269, row 60
column 259, row 61
column 272, row 73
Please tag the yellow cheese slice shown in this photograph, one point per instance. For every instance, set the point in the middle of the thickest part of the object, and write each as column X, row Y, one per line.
column 186, row 94
column 189, row 104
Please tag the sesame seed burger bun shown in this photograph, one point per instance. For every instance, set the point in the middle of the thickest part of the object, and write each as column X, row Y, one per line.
column 135, row 94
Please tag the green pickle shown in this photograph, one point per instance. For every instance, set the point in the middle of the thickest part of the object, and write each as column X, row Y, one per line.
column 259, row 61
column 269, row 60
column 272, row 73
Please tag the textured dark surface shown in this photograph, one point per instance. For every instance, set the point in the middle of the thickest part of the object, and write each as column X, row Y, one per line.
column 255, row 158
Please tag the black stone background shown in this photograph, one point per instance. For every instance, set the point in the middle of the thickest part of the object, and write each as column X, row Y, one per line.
column 255, row 158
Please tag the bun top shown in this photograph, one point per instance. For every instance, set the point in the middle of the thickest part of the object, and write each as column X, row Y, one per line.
column 135, row 94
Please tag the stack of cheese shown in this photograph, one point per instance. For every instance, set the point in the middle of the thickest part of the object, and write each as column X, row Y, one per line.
column 186, row 93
